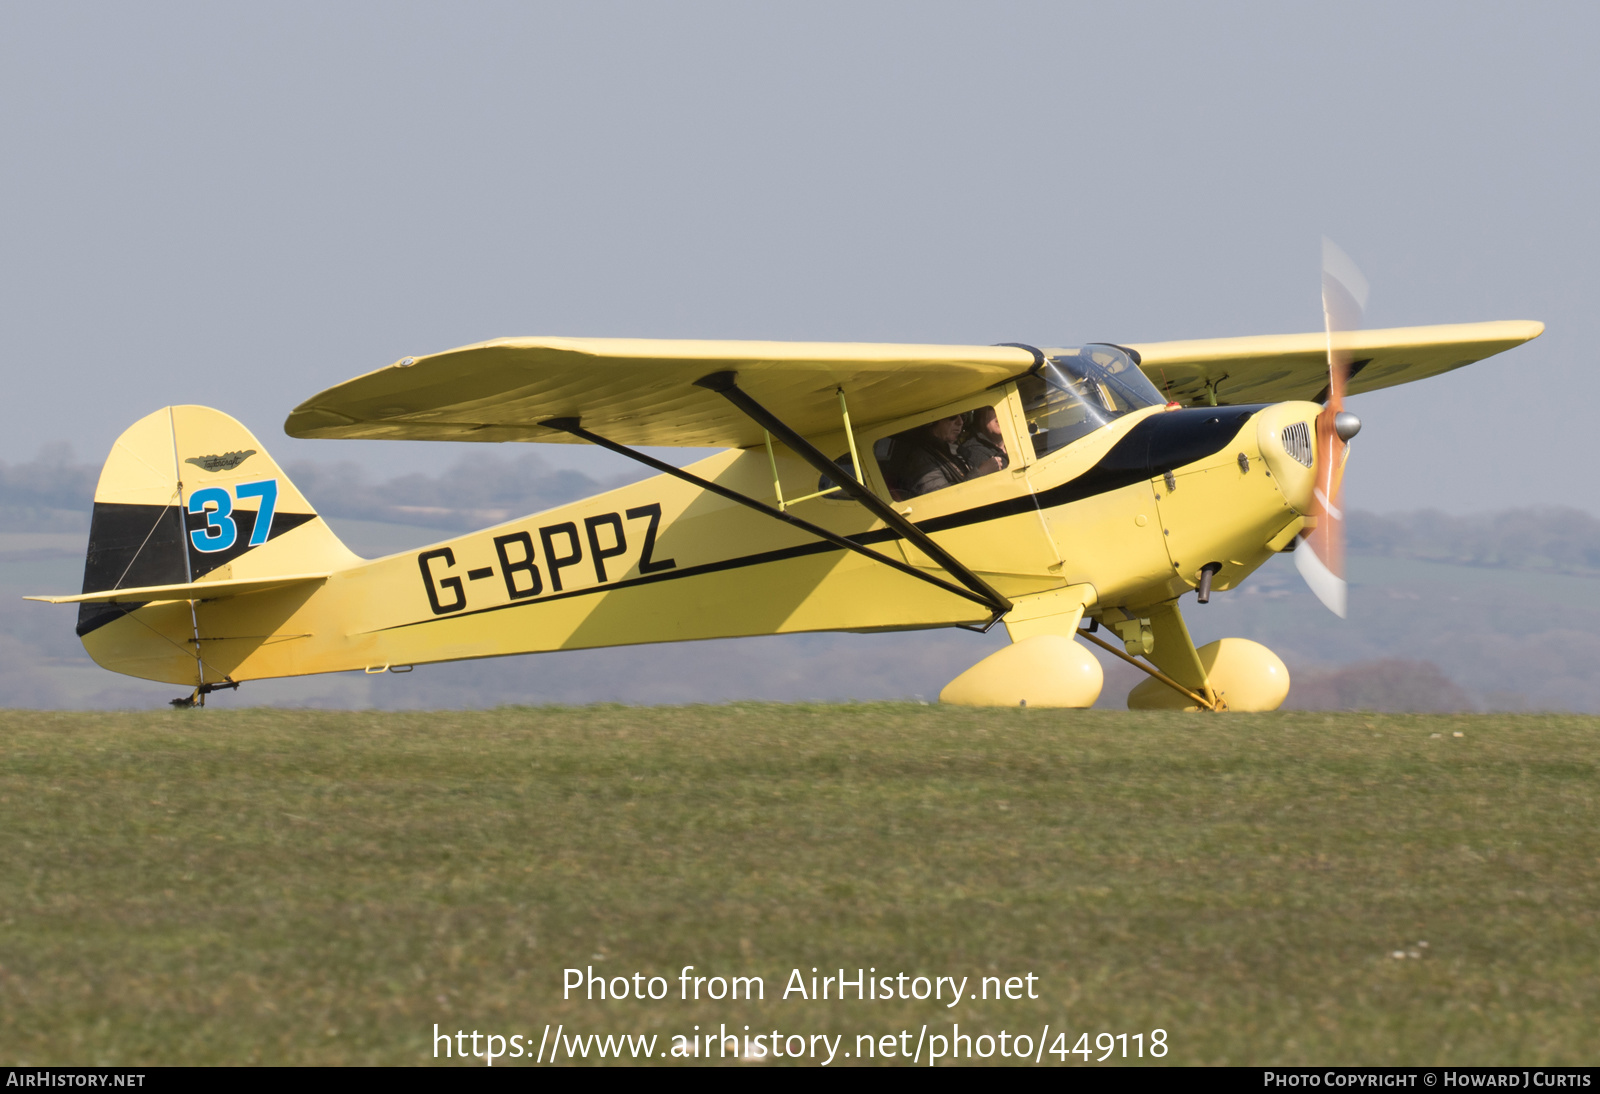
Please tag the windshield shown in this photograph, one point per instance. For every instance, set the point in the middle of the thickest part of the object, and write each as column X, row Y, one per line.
column 1080, row 391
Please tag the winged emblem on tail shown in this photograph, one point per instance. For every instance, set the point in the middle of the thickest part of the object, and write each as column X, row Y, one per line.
column 225, row 462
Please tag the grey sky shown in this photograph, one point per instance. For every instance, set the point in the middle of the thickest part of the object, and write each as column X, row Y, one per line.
column 239, row 205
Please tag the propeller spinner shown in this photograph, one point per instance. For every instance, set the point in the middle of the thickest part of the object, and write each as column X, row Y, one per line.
column 1320, row 556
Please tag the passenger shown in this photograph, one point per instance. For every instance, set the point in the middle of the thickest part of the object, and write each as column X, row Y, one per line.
column 984, row 448
column 932, row 461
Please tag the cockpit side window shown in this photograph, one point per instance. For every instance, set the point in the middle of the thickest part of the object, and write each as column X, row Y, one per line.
column 1078, row 392
column 942, row 453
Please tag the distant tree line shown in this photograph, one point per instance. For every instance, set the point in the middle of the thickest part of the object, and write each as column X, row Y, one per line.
column 49, row 494
column 52, row 493
column 474, row 492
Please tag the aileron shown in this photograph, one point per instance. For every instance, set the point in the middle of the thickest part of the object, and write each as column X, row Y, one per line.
column 1276, row 367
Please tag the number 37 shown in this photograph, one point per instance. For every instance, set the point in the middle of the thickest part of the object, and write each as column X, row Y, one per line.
column 221, row 531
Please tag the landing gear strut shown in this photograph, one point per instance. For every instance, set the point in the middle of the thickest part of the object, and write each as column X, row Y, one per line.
column 1193, row 696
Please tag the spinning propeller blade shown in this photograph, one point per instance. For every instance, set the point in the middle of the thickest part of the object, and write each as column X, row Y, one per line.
column 1320, row 556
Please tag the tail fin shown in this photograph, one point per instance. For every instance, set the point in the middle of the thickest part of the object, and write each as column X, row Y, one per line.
column 189, row 494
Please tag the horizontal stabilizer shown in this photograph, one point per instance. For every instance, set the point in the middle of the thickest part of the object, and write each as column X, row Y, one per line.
column 196, row 590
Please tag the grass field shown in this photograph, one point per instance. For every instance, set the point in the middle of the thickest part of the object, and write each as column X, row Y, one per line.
column 306, row 887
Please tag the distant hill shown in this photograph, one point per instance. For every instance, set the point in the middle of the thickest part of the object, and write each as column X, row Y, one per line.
column 1552, row 540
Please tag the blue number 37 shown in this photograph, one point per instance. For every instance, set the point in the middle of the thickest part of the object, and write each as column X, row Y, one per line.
column 220, row 531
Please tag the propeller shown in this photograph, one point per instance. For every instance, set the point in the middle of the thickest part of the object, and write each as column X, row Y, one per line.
column 1320, row 555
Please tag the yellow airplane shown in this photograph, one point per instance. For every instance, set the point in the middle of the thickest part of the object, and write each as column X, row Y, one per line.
column 1066, row 493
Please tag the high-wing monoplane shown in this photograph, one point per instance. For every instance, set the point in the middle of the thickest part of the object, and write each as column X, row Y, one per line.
column 1066, row 494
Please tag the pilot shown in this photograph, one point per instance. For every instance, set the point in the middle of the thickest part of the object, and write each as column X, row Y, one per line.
column 984, row 448
column 932, row 460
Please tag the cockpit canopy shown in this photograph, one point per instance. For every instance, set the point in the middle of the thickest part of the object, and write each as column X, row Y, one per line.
column 1077, row 392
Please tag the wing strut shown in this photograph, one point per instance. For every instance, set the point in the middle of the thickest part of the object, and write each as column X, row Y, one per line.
column 570, row 425
column 724, row 384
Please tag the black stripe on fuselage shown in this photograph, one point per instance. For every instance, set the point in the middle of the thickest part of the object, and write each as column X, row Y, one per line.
column 1159, row 443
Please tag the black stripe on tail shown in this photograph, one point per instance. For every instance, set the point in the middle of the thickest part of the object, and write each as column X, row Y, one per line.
column 135, row 545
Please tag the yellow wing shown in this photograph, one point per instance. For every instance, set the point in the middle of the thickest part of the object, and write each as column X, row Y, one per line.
column 1279, row 367
column 641, row 391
